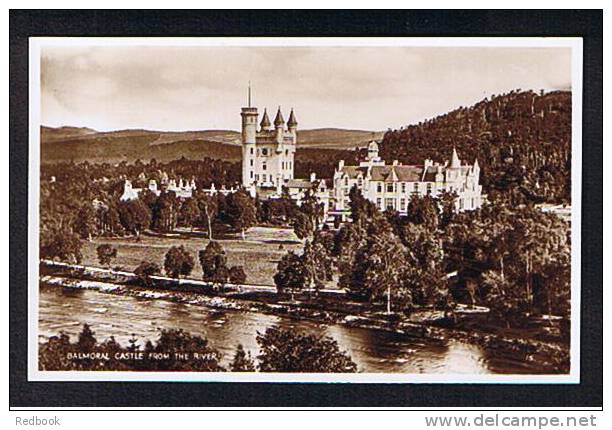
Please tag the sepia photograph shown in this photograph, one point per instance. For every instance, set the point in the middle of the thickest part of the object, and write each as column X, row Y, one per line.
column 398, row 210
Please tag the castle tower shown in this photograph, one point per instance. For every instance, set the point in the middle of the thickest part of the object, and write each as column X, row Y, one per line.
column 292, row 125
column 265, row 123
column 249, row 140
column 455, row 162
column 279, row 125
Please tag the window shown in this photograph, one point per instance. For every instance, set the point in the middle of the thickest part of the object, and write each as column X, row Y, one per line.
column 346, row 182
column 460, row 204
column 379, row 187
column 286, row 152
column 360, row 182
column 403, row 187
column 390, row 188
column 256, row 177
column 264, row 166
column 251, row 174
column 379, row 203
column 252, row 151
column 390, row 204
column 402, row 204
column 415, row 187
column 283, row 165
column 429, row 188
column 264, row 151
column 251, row 162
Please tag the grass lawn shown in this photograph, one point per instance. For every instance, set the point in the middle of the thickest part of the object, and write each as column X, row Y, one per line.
column 258, row 254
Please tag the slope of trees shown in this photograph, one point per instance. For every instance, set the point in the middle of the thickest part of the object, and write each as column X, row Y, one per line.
column 522, row 141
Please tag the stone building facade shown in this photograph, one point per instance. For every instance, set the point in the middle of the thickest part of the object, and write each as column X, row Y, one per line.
column 390, row 186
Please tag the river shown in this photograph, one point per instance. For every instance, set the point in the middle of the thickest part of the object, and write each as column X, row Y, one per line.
column 373, row 350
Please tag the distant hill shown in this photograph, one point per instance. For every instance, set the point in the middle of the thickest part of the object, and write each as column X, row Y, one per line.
column 84, row 144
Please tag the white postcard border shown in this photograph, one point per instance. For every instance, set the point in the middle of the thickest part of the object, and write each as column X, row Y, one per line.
column 35, row 45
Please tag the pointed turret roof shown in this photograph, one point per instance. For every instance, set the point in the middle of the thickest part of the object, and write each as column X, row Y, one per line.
column 265, row 121
column 476, row 165
column 455, row 162
column 292, row 121
column 279, row 118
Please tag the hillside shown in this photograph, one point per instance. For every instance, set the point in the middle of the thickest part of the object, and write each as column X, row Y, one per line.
column 522, row 141
column 82, row 144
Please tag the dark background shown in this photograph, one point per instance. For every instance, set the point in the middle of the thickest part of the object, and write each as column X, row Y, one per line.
column 585, row 24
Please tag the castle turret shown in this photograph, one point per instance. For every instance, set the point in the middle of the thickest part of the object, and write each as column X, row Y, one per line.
column 265, row 123
column 292, row 125
column 279, row 124
column 455, row 162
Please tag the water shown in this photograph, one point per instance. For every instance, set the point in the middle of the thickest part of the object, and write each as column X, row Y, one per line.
column 373, row 350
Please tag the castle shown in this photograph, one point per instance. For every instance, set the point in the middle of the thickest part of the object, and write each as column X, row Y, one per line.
column 268, row 163
column 390, row 187
column 268, row 152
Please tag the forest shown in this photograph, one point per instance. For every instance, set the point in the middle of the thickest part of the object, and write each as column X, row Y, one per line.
column 522, row 141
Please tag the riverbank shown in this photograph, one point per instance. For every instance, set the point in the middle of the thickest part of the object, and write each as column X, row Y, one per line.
column 550, row 355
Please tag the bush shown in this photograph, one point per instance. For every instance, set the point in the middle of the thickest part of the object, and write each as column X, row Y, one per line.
column 145, row 270
column 237, row 275
column 178, row 262
column 106, row 254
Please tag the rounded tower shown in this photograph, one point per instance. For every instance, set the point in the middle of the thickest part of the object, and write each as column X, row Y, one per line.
column 249, row 139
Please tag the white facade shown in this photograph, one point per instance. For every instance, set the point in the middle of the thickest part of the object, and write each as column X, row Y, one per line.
column 183, row 188
column 392, row 186
column 267, row 153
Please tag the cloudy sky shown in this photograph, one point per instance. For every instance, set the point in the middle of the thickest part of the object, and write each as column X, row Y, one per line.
column 198, row 88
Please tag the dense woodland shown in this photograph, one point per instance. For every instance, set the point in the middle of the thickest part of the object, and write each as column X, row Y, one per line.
column 522, row 141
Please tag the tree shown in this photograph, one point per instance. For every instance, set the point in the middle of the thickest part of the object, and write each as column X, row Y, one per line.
column 87, row 341
column 302, row 225
column 112, row 221
column 61, row 243
column 424, row 275
column 213, row 261
column 145, row 270
column 209, row 209
column 241, row 211
column 505, row 299
column 106, row 253
column 237, row 275
column 165, row 212
column 190, row 213
column 291, row 274
column 317, row 263
column 178, row 262
column 362, row 210
column 85, row 222
column 379, row 272
column 309, row 216
column 242, row 361
column 423, row 210
column 289, row 351
column 135, row 216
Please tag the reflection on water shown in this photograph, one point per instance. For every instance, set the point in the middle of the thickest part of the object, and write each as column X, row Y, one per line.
column 372, row 350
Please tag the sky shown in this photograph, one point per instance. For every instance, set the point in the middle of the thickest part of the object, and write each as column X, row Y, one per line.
column 201, row 88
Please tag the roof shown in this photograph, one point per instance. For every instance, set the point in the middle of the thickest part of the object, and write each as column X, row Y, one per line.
column 279, row 118
column 385, row 173
column 265, row 121
column 292, row 121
